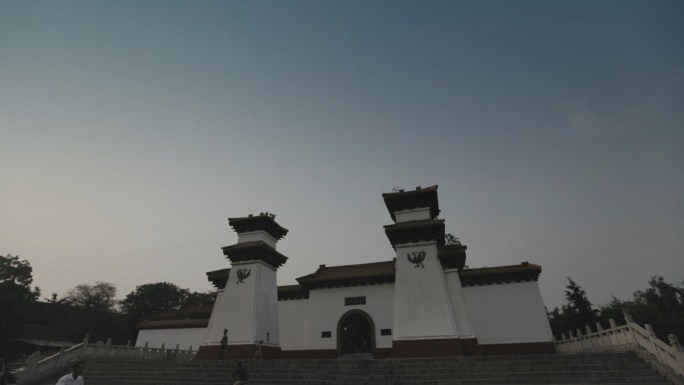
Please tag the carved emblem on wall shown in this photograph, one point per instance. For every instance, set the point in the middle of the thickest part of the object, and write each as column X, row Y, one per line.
column 242, row 274
column 417, row 258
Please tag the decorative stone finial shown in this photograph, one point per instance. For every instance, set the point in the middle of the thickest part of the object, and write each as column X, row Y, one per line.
column 674, row 342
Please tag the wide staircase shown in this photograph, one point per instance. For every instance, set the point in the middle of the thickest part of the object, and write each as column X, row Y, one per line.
column 595, row 368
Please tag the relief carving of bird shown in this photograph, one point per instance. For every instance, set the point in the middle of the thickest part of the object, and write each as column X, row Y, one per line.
column 242, row 275
column 417, row 258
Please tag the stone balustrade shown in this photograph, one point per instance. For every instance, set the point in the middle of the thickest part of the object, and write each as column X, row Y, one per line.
column 632, row 337
column 37, row 367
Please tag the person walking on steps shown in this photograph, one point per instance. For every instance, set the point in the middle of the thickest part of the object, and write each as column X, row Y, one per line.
column 73, row 378
column 257, row 354
column 2, row 371
column 224, row 344
column 239, row 375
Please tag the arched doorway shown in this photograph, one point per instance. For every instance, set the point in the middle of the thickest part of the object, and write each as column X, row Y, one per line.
column 355, row 333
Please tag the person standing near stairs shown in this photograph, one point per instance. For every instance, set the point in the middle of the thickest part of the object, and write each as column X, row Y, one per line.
column 74, row 378
column 224, row 344
column 240, row 375
column 2, row 371
column 257, row 354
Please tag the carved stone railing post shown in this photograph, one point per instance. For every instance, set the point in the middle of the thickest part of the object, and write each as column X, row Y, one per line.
column 60, row 357
column 600, row 337
column 678, row 351
column 674, row 342
column 82, row 352
column 651, row 338
column 629, row 321
column 31, row 364
column 590, row 338
column 580, row 341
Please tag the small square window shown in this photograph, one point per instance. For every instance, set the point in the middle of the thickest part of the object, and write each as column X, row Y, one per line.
column 352, row 301
column 326, row 334
column 385, row 332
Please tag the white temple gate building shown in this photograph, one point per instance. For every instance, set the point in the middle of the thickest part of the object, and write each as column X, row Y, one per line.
column 423, row 302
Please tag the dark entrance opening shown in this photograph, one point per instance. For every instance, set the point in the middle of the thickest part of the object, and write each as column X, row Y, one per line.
column 356, row 333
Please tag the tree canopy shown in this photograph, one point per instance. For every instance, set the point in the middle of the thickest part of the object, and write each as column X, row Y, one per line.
column 575, row 313
column 161, row 296
column 100, row 296
column 450, row 239
column 661, row 305
column 16, row 297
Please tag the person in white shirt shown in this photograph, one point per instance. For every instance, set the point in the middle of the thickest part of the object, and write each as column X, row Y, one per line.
column 74, row 378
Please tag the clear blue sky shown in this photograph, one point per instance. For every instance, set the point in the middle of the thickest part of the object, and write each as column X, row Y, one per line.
column 130, row 131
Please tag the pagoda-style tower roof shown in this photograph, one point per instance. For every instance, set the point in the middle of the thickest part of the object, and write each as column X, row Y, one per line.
column 415, row 215
column 406, row 200
column 252, row 251
column 262, row 222
column 416, row 231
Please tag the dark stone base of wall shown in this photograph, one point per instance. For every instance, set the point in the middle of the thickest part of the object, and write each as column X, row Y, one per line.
column 435, row 348
column 382, row 353
column 309, row 354
column 237, row 352
column 412, row 348
column 517, row 349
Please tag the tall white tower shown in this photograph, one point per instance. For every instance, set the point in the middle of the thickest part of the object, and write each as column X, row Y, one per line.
column 248, row 303
column 430, row 313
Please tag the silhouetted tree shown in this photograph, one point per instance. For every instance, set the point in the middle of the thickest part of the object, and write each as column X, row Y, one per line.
column 100, row 296
column 199, row 299
column 16, row 297
column 575, row 313
column 661, row 305
column 153, row 298
column 450, row 239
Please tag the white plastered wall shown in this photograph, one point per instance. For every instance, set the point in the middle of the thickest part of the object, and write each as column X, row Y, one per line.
column 217, row 321
column 266, row 324
column 459, row 307
column 185, row 338
column 422, row 307
column 249, row 310
column 301, row 326
column 294, row 321
column 508, row 313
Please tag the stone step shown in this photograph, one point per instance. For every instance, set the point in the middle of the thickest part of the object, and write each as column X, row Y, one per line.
column 357, row 381
column 581, row 369
column 383, row 362
column 332, row 366
column 459, row 373
column 402, row 371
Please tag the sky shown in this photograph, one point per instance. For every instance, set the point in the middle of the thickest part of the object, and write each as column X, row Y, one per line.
column 131, row 130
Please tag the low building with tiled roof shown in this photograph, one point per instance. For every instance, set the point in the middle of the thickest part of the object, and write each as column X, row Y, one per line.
column 422, row 302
